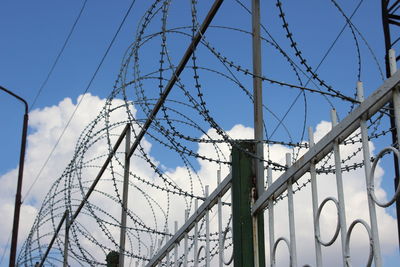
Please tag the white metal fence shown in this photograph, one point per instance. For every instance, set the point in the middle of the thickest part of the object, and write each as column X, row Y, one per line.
column 207, row 250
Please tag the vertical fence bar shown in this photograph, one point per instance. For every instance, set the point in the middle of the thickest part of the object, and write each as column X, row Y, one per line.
column 166, row 241
column 396, row 112
column 176, row 247
column 256, row 237
column 208, row 257
column 339, row 185
column 220, row 234
column 392, row 62
column 66, row 239
column 396, row 94
column 314, row 195
column 125, row 197
column 196, row 238
column 292, row 228
column 158, row 248
column 271, row 227
column 186, row 240
column 367, row 169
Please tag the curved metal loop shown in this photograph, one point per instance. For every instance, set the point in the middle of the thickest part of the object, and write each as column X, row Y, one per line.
column 198, row 253
column 223, row 245
column 275, row 247
column 371, row 243
column 318, row 237
column 371, row 184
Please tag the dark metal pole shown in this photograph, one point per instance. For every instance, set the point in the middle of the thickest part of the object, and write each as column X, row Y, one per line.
column 257, row 96
column 258, row 220
column 125, row 192
column 175, row 76
column 388, row 46
column 17, row 207
column 66, row 239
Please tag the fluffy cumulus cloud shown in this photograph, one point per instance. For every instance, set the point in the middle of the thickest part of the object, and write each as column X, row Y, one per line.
column 47, row 124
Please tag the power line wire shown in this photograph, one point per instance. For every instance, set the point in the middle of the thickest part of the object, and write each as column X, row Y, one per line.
column 58, row 56
column 80, row 101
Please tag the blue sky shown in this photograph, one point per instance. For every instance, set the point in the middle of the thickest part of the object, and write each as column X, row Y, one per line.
column 33, row 33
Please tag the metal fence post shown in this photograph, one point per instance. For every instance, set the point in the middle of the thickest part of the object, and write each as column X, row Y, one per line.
column 396, row 112
column 258, row 221
column 66, row 239
column 208, row 255
column 125, row 197
column 220, row 235
column 367, row 168
column 292, row 228
column 243, row 186
column 271, row 221
column 176, row 246
column 196, row 238
column 339, row 185
column 186, row 241
column 314, row 193
column 168, row 263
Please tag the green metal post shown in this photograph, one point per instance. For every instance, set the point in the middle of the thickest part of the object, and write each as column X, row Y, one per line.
column 243, row 191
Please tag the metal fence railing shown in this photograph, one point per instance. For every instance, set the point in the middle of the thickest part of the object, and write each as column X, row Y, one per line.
column 355, row 121
column 190, row 246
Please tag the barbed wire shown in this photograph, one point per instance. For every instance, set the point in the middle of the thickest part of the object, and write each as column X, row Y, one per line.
column 188, row 134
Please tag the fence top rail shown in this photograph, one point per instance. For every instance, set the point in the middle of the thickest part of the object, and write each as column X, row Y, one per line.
column 208, row 203
column 346, row 127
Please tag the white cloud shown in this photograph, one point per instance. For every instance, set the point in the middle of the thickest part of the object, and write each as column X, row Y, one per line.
column 46, row 125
